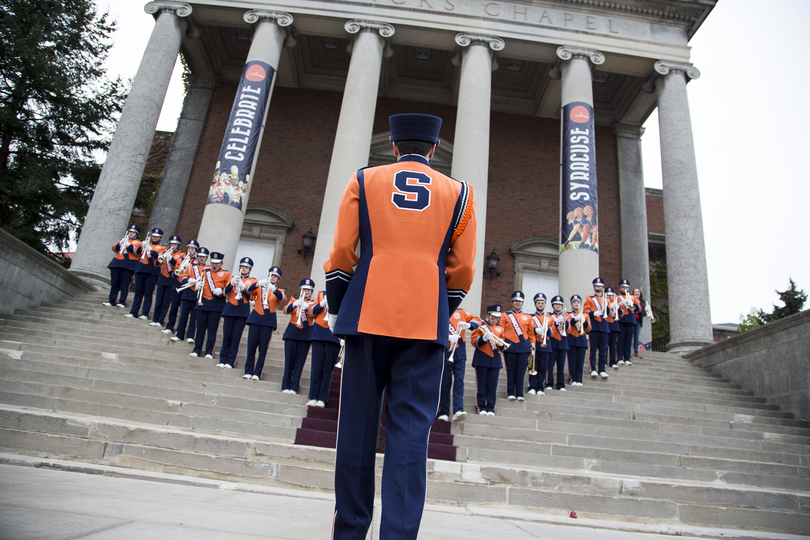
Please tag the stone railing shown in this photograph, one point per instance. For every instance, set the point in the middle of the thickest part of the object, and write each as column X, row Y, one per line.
column 772, row 361
column 28, row 278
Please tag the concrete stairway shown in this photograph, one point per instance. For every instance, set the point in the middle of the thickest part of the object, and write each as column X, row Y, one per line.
column 659, row 442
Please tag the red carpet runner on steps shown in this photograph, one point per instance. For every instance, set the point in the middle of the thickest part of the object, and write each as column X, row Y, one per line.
column 319, row 428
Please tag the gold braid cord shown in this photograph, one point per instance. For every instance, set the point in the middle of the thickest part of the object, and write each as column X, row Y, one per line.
column 465, row 213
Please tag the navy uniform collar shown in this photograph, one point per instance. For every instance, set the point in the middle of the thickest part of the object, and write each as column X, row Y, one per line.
column 414, row 157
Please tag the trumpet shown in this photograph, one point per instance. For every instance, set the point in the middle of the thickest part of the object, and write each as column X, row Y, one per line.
column 580, row 324
column 339, row 364
column 168, row 253
column 533, row 362
column 498, row 341
column 124, row 243
column 183, row 265
column 268, row 290
column 453, row 348
column 545, row 331
column 561, row 325
column 301, row 309
column 238, row 294
column 146, row 249
column 201, row 286
column 649, row 312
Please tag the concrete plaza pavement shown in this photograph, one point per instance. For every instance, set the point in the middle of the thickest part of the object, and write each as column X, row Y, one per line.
column 47, row 499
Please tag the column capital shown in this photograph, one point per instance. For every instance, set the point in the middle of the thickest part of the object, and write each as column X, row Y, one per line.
column 665, row 67
column 567, row 52
column 628, row 131
column 493, row 42
column 355, row 26
column 181, row 9
column 279, row 17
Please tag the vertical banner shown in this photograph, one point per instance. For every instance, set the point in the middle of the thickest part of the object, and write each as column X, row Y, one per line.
column 231, row 179
column 579, row 216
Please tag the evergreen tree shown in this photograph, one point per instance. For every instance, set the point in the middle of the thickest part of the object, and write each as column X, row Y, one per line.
column 57, row 108
column 793, row 300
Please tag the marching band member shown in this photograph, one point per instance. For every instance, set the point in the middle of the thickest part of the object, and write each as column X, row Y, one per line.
column 577, row 340
column 235, row 313
column 188, row 296
column 296, row 337
column 542, row 323
column 325, row 351
column 518, row 331
column 213, row 282
column 146, row 275
column 559, row 343
column 262, row 322
column 166, row 295
column 599, row 335
column 613, row 323
column 123, row 266
column 395, row 339
column 628, row 307
column 487, row 360
column 646, row 311
column 453, row 373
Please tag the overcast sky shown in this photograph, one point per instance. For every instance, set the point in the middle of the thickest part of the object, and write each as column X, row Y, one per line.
column 754, row 183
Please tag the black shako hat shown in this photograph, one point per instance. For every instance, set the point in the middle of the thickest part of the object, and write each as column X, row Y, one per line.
column 415, row 127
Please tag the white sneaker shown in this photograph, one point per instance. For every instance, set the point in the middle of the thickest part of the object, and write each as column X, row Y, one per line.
column 129, row 315
column 490, row 413
column 520, row 398
column 620, row 362
column 120, row 305
column 541, row 393
column 106, row 304
column 290, row 391
column 444, row 418
column 594, row 373
column 167, row 331
column 511, row 398
column 209, row 356
column 246, row 376
column 312, row 402
column 255, row 377
column 460, row 416
column 604, row 375
column 615, row 366
column 144, row 317
column 227, row 366
column 482, row 413
column 285, row 391
column 190, row 340
column 175, row 338
column 220, row 364
column 195, row 355
column 563, row 390
column 532, row 392
column 320, row 404
column 628, row 362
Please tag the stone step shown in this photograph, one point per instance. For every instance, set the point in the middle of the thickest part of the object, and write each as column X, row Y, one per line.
column 276, row 464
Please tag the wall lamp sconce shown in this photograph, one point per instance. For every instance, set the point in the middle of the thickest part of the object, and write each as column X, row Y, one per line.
column 492, row 264
column 307, row 241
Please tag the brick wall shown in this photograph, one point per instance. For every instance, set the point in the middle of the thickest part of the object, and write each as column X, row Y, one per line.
column 655, row 211
column 523, row 191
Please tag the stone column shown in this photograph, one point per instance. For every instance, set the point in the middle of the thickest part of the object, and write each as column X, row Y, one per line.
column 176, row 173
column 690, row 324
column 221, row 225
column 354, row 130
column 471, row 144
column 578, row 267
column 108, row 216
column 633, row 211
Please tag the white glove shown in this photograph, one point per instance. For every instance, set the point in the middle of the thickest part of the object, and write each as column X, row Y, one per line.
column 597, row 313
column 217, row 292
column 331, row 319
column 560, row 319
column 580, row 318
column 300, row 303
column 487, row 336
column 454, row 338
column 271, row 287
column 234, row 281
column 463, row 325
column 538, row 330
column 263, row 283
column 614, row 306
column 342, row 342
column 323, row 302
column 192, row 281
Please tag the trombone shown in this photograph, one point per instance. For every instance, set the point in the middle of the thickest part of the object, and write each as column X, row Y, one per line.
column 533, row 362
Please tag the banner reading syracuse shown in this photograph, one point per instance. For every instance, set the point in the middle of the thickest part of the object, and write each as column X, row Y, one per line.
column 232, row 177
column 579, row 217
